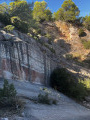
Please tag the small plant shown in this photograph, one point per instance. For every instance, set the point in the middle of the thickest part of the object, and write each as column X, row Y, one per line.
column 66, row 82
column 86, row 82
column 19, row 24
column 69, row 56
column 49, row 41
column 9, row 28
column 50, row 48
column 86, row 44
column 47, row 97
column 8, row 96
column 5, row 18
column 81, row 33
column 48, row 36
column 39, row 31
column 43, row 99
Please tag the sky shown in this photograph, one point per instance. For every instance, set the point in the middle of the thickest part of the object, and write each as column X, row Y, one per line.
column 54, row 5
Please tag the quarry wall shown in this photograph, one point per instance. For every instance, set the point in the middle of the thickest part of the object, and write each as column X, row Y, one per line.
column 22, row 58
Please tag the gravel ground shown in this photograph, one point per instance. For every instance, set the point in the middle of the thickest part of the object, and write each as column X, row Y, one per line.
column 66, row 109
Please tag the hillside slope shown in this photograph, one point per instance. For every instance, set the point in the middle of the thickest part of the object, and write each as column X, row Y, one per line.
column 62, row 44
column 67, row 44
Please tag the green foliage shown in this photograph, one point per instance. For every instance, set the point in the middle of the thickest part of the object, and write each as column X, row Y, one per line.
column 39, row 31
column 81, row 33
column 43, row 99
column 86, row 22
column 22, row 9
column 60, row 78
column 7, row 94
column 47, row 97
column 4, row 8
column 48, row 36
column 8, row 97
column 48, row 15
column 5, row 18
column 68, row 12
column 59, row 15
column 40, row 12
column 78, row 91
column 50, row 48
column 65, row 82
column 19, row 24
column 86, row 44
column 69, row 56
column 9, row 28
column 86, row 82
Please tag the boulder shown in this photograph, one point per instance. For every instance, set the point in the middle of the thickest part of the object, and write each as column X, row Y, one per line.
column 7, row 36
column 87, row 99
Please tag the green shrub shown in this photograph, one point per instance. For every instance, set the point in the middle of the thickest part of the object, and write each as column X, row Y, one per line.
column 9, row 28
column 50, row 48
column 49, row 41
column 8, row 97
column 5, row 18
column 47, row 97
column 43, row 99
column 86, row 82
column 65, row 82
column 69, row 56
column 86, row 22
column 81, row 33
column 19, row 24
column 39, row 31
column 86, row 44
column 78, row 91
column 7, row 94
column 48, row 36
column 60, row 78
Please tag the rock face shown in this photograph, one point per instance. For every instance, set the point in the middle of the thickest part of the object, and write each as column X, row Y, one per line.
column 69, row 32
column 21, row 57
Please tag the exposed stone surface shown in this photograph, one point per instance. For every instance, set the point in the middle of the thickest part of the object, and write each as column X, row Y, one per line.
column 24, row 58
column 21, row 57
column 88, row 99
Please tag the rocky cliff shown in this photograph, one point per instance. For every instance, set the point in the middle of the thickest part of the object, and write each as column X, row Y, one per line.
column 23, row 58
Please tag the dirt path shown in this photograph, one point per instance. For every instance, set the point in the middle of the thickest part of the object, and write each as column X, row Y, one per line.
column 67, row 109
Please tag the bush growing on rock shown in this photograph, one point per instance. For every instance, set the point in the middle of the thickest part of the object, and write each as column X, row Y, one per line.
column 19, row 24
column 64, row 81
column 86, row 22
column 5, row 18
column 69, row 56
column 86, row 44
column 46, row 96
column 8, row 96
column 81, row 33
column 9, row 28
